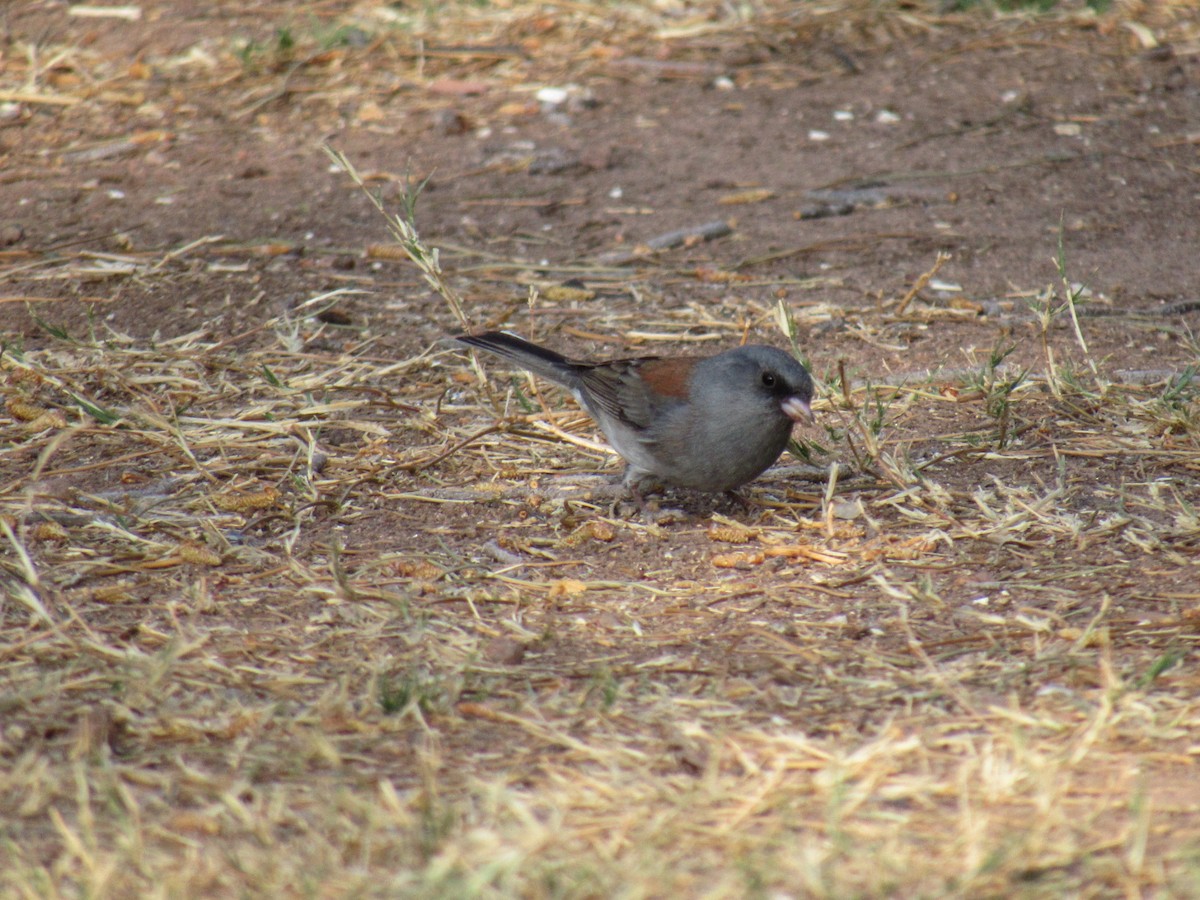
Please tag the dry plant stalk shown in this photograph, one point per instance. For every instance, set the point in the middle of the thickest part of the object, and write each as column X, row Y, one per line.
column 922, row 280
column 404, row 229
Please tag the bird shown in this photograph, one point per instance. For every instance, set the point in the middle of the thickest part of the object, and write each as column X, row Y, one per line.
column 706, row 423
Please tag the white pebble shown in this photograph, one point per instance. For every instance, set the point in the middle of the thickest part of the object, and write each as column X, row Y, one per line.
column 552, row 96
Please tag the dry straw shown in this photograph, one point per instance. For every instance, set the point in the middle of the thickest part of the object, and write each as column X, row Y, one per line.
column 281, row 616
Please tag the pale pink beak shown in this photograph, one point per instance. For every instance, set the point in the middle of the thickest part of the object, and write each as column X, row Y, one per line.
column 797, row 410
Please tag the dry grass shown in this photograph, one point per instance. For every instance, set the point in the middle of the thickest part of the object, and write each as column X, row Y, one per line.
column 969, row 674
column 954, row 656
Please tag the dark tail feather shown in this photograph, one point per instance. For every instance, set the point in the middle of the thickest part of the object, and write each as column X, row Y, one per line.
column 539, row 360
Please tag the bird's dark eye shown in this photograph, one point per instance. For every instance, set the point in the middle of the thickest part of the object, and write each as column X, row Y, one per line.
column 769, row 379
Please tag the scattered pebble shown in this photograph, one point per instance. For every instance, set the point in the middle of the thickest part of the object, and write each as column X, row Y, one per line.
column 552, row 96
column 353, row 36
column 570, row 98
column 847, row 509
column 843, row 115
column 552, row 161
column 370, row 111
column 886, row 117
column 11, row 233
column 816, row 135
column 450, row 122
column 504, row 651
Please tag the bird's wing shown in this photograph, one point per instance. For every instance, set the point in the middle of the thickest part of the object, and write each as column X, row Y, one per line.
column 637, row 391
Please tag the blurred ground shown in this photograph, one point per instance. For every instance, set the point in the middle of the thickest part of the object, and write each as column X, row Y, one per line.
column 250, row 545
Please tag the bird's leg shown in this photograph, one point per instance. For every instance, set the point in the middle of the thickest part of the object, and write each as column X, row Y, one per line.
column 634, row 483
column 740, row 499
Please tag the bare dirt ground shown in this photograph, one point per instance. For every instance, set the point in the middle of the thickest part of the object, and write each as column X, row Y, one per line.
column 298, row 603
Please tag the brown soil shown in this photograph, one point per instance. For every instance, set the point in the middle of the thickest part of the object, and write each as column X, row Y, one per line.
column 158, row 191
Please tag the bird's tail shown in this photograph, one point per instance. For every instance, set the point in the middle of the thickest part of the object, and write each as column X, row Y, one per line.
column 539, row 360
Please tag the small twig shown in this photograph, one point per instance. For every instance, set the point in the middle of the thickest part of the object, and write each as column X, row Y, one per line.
column 187, row 248
column 420, row 464
column 706, row 232
column 919, row 284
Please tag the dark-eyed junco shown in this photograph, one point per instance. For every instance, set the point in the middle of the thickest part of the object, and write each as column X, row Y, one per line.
column 710, row 423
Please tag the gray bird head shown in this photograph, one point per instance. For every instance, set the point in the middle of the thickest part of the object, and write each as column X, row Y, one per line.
column 768, row 375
